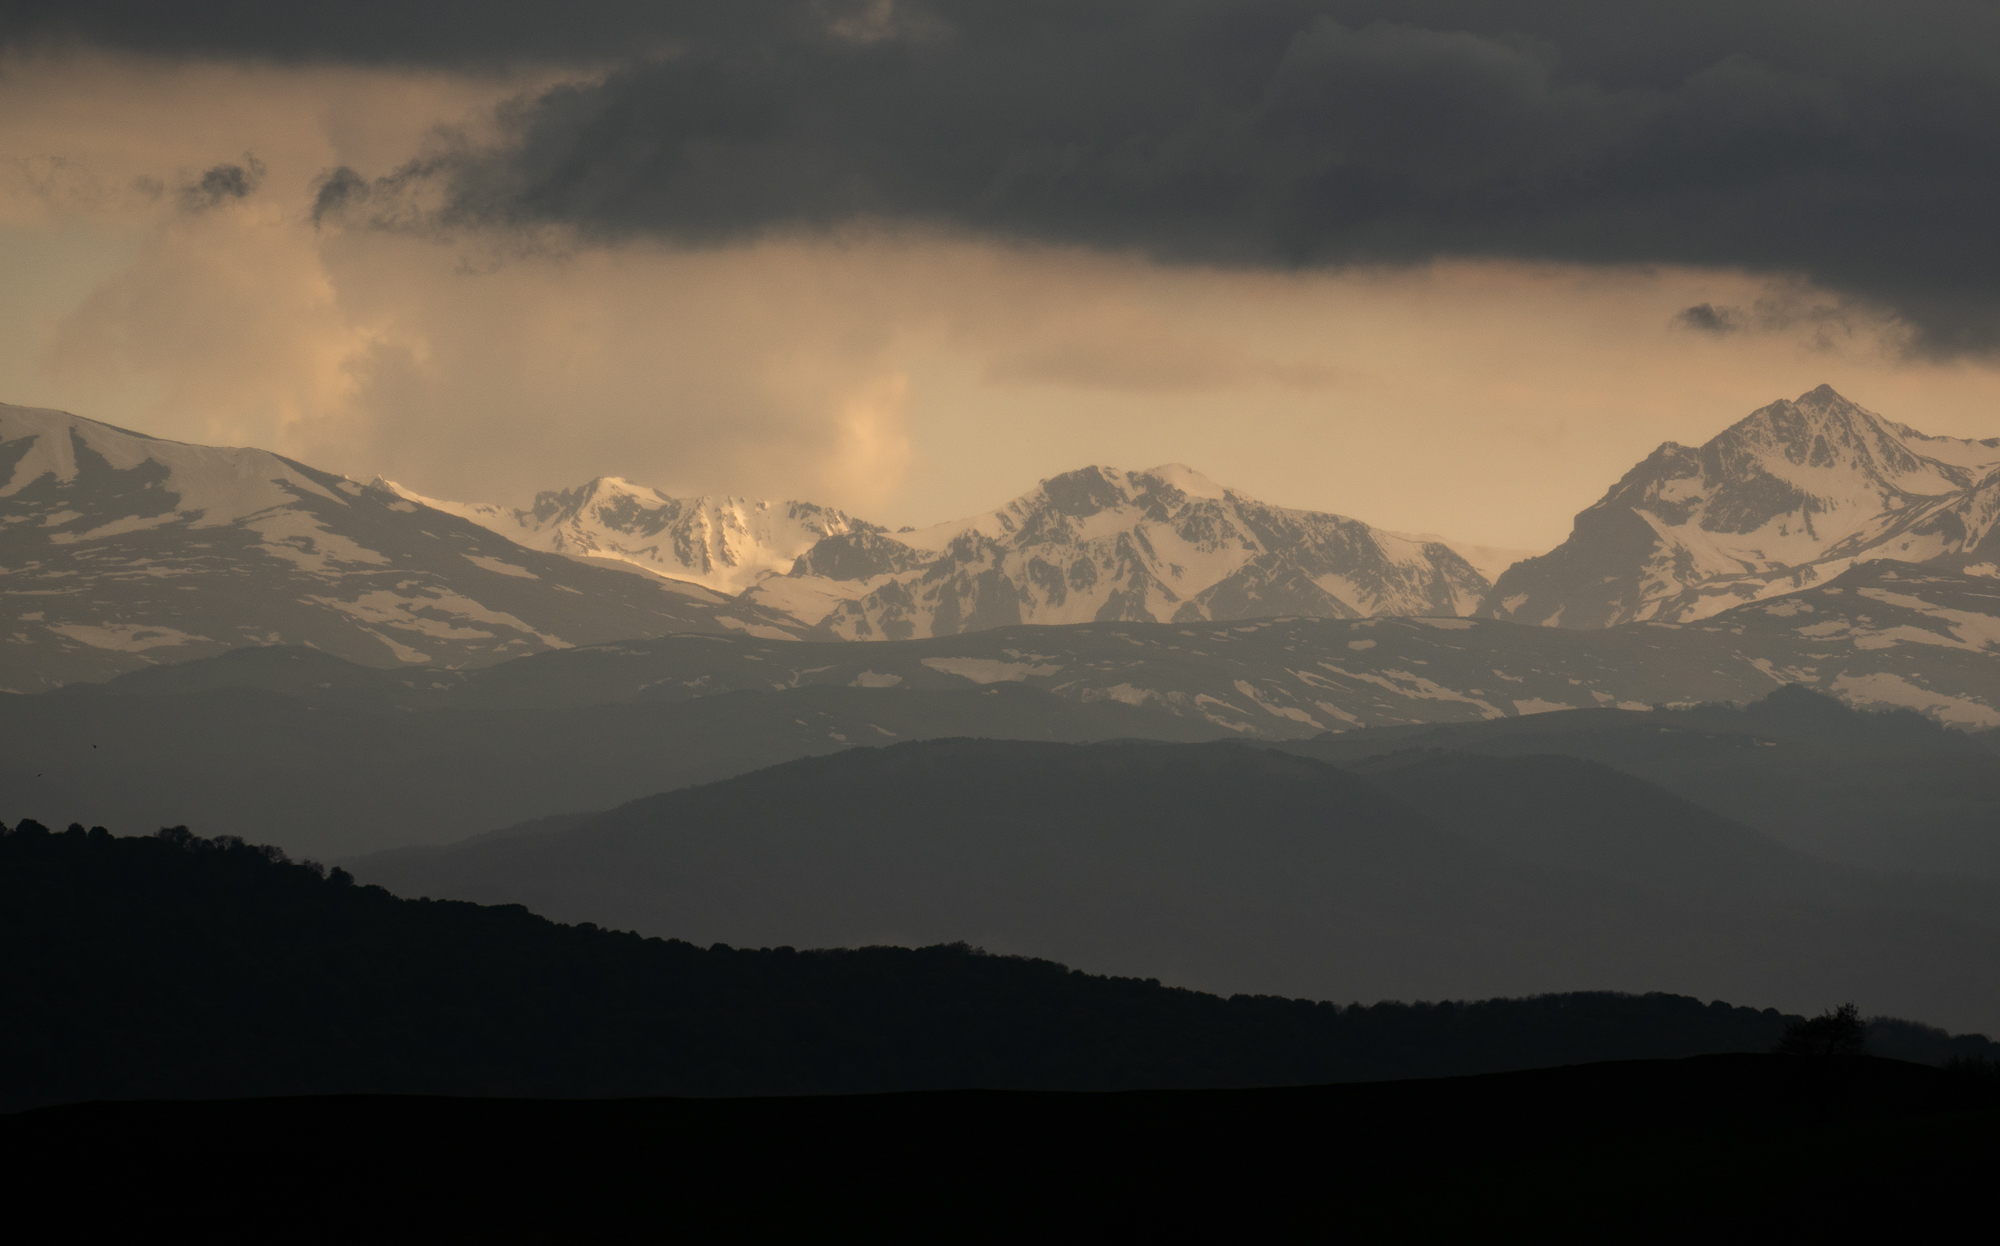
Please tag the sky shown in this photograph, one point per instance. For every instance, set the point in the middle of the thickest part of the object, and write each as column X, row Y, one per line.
column 1443, row 265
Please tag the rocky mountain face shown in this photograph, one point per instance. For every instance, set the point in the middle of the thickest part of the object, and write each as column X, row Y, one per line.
column 119, row 550
column 722, row 543
column 1102, row 545
column 1790, row 496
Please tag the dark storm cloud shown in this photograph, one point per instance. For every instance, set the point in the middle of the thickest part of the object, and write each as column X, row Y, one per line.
column 1857, row 143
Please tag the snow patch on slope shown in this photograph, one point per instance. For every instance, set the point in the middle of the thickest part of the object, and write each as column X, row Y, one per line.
column 1884, row 688
column 989, row 670
column 125, row 637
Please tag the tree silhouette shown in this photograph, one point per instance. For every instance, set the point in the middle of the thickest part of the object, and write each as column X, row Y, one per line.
column 1838, row 1032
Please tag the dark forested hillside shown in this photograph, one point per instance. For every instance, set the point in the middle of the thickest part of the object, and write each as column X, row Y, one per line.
column 177, row 966
column 1230, row 867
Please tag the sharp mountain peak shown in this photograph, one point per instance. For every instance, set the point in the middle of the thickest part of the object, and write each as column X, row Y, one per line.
column 1792, row 494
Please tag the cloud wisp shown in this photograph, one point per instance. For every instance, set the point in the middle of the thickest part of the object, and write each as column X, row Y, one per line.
column 222, row 183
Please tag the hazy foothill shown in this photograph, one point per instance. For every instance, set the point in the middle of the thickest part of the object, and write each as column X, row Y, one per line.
column 509, row 695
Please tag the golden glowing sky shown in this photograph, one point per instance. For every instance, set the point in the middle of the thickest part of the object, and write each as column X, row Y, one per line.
column 907, row 378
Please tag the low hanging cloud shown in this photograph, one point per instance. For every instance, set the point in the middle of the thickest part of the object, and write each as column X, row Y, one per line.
column 1855, row 143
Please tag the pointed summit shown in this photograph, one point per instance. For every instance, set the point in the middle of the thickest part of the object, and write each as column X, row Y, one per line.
column 1690, row 532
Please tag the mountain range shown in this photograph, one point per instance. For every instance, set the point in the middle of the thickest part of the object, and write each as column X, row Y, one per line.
column 1136, row 721
column 1790, row 496
column 1095, row 545
column 1813, row 542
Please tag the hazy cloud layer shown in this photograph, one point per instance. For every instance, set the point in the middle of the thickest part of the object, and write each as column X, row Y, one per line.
column 1854, row 142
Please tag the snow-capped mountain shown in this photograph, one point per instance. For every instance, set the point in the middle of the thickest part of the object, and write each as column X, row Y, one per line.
column 119, row 550
column 1779, row 552
column 1159, row 545
column 1099, row 544
column 1792, row 495
column 724, row 543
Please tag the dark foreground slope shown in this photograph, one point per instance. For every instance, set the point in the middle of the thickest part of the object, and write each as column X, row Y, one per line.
column 1227, row 867
column 1701, row 1149
column 134, row 968
column 1714, row 1146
